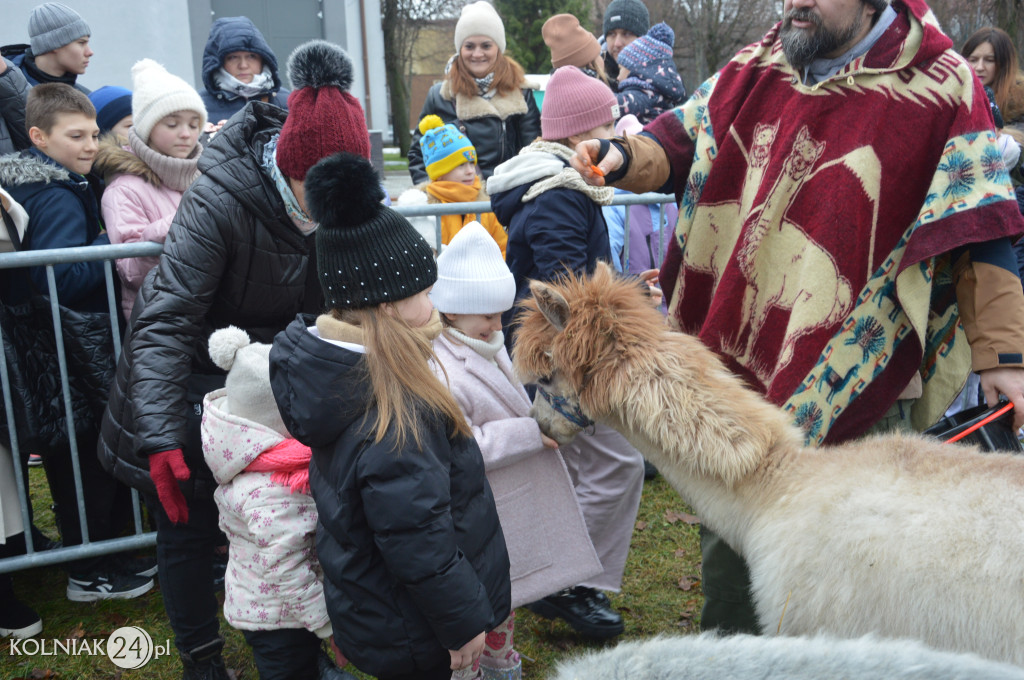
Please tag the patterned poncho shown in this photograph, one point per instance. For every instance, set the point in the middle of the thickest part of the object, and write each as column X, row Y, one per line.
column 815, row 222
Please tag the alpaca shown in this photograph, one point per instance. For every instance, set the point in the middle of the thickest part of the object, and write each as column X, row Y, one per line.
column 750, row 657
column 898, row 535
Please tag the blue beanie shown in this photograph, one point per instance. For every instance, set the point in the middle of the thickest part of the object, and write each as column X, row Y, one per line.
column 112, row 104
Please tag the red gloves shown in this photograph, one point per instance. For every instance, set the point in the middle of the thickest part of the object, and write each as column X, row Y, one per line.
column 167, row 468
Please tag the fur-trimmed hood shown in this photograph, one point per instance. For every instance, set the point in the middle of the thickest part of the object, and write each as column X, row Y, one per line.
column 115, row 158
column 29, row 167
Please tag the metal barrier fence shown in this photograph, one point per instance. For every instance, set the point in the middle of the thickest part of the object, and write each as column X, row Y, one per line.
column 439, row 209
column 108, row 253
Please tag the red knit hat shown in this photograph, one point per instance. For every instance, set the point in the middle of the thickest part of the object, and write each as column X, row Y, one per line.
column 323, row 118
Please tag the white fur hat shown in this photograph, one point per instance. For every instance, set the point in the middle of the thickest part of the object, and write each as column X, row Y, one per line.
column 248, row 383
column 156, row 94
column 472, row 277
column 480, row 18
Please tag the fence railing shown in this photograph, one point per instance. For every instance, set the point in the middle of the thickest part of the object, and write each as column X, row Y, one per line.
column 437, row 210
column 141, row 538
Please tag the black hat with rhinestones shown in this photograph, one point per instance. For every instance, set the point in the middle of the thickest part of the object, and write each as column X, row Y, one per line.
column 366, row 253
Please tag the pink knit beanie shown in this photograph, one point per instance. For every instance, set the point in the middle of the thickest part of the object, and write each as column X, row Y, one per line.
column 574, row 103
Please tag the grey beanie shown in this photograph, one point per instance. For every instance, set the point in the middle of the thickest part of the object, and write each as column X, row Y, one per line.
column 53, row 25
column 631, row 15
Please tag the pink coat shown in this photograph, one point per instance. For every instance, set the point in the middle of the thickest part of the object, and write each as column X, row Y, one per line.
column 137, row 205
column 548, row 544
column 135, row 211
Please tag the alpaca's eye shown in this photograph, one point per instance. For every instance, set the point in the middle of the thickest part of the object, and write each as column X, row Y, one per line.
column 545, row 381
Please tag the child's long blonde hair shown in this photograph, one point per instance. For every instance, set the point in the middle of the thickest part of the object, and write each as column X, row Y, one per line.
column 404, row 387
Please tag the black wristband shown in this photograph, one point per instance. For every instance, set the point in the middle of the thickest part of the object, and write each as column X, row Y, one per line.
column 616, row 175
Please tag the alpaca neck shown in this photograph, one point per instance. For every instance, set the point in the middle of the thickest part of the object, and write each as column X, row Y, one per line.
column 716, row 441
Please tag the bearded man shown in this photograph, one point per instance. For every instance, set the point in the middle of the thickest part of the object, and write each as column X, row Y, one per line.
column 844, row 231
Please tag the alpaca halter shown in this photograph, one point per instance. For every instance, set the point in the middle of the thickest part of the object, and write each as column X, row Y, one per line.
column 570, row 412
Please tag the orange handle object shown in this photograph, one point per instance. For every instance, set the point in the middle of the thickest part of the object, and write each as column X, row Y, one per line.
column 597, row 171
column 980, row 424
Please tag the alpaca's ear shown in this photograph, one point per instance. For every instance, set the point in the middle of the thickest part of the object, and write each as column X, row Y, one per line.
column 551, row 303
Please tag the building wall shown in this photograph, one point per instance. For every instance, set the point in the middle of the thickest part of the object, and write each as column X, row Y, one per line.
column 174, row 32
column 123, row 31
column 434, row 46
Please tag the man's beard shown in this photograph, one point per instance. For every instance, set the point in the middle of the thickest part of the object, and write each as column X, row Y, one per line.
column 802, row 46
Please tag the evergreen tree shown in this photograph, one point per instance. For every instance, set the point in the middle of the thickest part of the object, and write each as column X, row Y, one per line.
column 523, row 20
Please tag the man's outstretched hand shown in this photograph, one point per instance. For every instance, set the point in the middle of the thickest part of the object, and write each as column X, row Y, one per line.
column 586, row 159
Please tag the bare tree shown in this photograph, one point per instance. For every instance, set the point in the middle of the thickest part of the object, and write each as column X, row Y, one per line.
column 960, row 18
column 710, row 32
column 402, row 21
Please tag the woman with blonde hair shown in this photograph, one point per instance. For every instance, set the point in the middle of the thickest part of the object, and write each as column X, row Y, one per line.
column 416, row 572
column 484, row 94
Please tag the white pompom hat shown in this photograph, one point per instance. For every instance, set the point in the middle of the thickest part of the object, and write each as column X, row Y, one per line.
column 480, row 18
column 156, row 94
column 248, row 383
column 472, row 277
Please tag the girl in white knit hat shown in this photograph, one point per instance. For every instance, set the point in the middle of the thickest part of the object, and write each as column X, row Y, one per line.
column 147, row 176
column 548, row 545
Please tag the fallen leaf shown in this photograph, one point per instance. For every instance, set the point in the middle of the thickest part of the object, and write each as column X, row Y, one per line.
column 685, row 583
column 671, row 516
column 77, row 633
column 641, row 525
column 681, row 554
column 42, row 674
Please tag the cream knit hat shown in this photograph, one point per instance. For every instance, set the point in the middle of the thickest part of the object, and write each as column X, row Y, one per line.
column 480, row 18
column 157, row 93
column 248, row 382
column 472, row 277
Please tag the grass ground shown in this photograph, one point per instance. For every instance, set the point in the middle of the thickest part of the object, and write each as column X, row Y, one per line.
column 661, row 594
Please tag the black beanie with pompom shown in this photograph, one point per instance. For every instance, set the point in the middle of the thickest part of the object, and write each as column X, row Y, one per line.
column 366, row 253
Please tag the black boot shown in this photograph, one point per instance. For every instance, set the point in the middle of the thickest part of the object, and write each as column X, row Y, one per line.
column 205, row 662
column 588, row 611
column 17, row 619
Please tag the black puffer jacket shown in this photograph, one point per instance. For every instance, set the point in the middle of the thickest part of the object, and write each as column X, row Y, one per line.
column 13, row 91
column 232, row 257
column 498, row 127
column 413, row 555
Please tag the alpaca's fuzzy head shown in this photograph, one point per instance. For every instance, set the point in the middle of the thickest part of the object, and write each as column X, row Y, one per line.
column 599, row 343
column 568, row 332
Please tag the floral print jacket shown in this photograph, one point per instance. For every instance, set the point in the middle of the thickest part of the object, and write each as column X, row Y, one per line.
column 273, row 577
